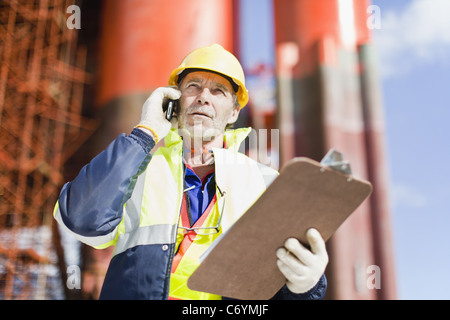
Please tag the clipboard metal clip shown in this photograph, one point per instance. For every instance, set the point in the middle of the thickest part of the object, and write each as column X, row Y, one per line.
column 335, row 160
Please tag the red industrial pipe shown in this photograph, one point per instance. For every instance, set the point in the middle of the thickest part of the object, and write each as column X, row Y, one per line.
column 328, row 99
column 142, row 41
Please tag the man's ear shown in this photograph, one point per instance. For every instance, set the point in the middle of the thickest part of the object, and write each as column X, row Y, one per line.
column 234, row 115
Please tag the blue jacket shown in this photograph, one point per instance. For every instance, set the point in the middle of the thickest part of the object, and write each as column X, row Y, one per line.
column 91, row 206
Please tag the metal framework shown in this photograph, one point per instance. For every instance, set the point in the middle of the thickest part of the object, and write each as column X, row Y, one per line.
column 42, row 79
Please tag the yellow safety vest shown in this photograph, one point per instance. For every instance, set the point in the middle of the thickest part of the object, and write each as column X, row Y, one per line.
column 193, row 245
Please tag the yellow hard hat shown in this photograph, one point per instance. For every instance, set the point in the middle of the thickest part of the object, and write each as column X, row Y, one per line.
column 216, row 59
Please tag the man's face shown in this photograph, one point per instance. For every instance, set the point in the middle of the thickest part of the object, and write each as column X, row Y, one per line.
column 206, row 104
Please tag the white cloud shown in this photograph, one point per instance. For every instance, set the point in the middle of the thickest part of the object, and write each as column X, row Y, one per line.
column 403, row 195
column 417, row 35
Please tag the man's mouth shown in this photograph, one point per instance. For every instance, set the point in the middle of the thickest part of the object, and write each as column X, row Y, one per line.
column 200, row 113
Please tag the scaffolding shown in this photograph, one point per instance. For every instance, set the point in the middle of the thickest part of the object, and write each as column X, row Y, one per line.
column 42, row 79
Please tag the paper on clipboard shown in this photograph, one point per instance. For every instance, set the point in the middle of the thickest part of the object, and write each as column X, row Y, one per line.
column 242, row 265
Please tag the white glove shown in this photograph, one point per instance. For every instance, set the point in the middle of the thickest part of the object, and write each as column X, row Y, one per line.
column 153, row 120
column 301, row 267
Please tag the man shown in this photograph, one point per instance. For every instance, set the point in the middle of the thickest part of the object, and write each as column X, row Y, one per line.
column 163, row 206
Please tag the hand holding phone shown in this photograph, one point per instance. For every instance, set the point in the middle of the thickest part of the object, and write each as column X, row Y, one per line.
column 170, row 109
column 153, row 117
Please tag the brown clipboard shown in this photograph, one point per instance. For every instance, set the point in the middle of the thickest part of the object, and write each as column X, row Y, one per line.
column 242, row 265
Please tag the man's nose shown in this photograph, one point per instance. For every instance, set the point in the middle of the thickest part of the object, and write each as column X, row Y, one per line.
column 204, row 96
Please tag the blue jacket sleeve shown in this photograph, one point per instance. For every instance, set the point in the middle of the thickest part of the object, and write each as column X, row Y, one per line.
column 316, row 293
column 92, row 204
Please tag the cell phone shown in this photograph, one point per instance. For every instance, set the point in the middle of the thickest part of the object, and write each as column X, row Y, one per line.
column 170, row 109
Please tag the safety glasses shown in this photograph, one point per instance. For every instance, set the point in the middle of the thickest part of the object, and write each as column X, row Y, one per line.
column 207, row 231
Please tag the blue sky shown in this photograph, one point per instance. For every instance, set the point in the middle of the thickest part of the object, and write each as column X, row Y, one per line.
column 413, row 48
